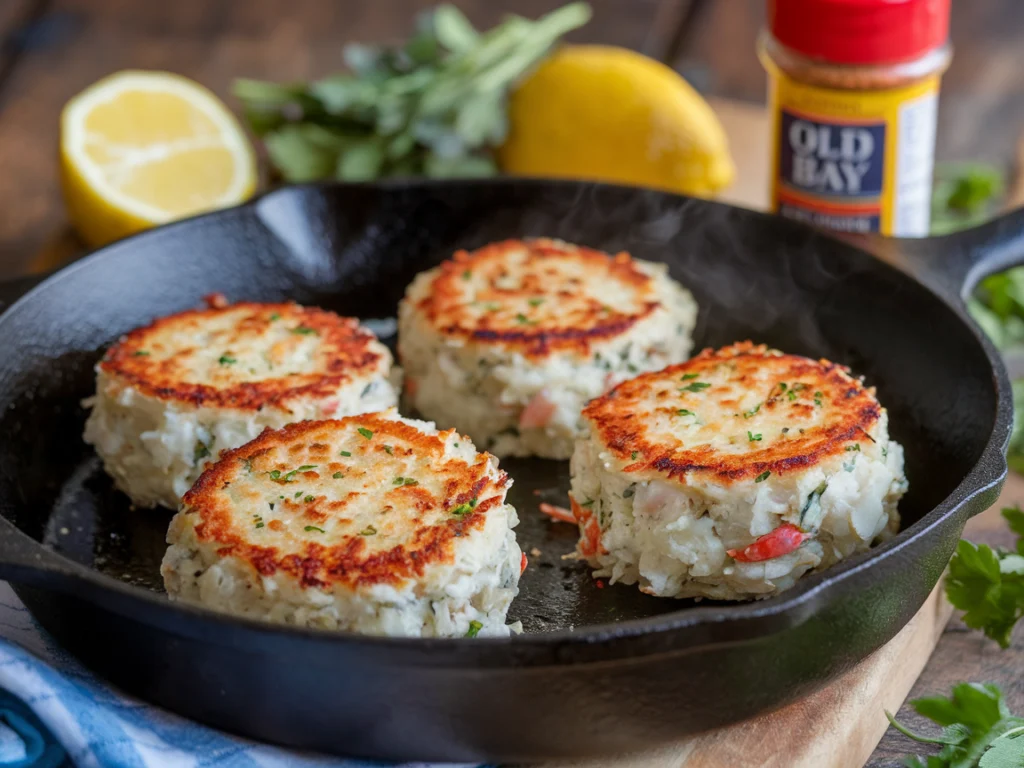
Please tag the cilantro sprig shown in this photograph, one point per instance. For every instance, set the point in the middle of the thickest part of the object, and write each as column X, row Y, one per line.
column 978, row 729
column 988, row 584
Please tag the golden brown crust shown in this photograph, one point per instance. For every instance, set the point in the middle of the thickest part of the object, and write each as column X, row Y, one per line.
column 735, row 414
column 224, row 356
column 326, row 502
column 538, row 296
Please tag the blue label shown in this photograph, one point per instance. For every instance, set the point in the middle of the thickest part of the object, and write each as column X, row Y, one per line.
column 834, row 160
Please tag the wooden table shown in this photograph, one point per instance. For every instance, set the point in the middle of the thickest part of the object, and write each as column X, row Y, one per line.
column 51, row 49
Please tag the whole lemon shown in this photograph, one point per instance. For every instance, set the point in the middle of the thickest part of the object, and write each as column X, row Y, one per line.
column 611, row 114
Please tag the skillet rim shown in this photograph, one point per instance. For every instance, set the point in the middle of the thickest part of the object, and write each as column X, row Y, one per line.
column 746, row 620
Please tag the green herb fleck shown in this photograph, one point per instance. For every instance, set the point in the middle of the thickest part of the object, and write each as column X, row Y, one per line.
column 817, row 399
column 587, row 503
column 337, row 475
column 227, row 360
column 304, row 330
column 297, row 494
column 290, row 476
column 688, row 376
column 684, row 412
column 259, row 524
column 492, row 307
column 246, row 464
column 785, row 430
column 633, row 455
column 697, row 386
column 467, row 275
column 389, row 450
column 365, row 433
column 536, row 302
column 465, row 508
column 346, row 453
column 368, row 531
column 474, row 628
column 752, row 411
column 752, row 437
column 313, row 528
column 763, row 476
column 200, row 451
column 524, row 320
column 854, row 447
column 308, row 499
column 275, row 474
column 140, row 353
column 274, row 316
column 782, row 386
column 306, row 467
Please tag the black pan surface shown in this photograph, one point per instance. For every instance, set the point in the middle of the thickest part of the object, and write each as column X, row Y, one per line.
column 598, row 670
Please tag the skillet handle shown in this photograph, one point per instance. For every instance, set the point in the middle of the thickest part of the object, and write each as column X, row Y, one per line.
column 24, row 560
column 954, row 264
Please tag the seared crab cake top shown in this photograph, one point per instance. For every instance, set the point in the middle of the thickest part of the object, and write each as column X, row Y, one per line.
column 739, row 413
column 369, row 499
column 539, row 296
column 247, row 356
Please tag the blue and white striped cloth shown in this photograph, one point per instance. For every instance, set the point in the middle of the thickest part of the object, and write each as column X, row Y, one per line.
column 57, row 713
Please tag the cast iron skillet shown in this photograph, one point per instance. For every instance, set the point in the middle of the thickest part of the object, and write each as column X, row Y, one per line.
column 598, row 670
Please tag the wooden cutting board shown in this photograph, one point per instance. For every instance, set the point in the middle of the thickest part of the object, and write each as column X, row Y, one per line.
column 839, row 726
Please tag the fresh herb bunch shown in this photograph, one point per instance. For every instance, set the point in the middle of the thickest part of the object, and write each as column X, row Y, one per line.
column 989, row 583
column 436, row 106
column 964, row 195
column 979, row 731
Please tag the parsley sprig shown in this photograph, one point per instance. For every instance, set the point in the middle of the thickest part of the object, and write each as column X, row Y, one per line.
column 978, row 729
column 436, row 106
column 988, row 584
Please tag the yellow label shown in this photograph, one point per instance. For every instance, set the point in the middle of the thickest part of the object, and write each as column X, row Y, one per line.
column 858, row 161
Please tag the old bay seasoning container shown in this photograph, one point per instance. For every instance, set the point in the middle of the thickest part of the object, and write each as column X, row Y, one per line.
column 853, row 92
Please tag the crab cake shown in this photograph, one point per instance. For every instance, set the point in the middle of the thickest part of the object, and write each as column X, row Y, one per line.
column 733, row 474
column 171, row 396
column 507, row 343
column 373, row 524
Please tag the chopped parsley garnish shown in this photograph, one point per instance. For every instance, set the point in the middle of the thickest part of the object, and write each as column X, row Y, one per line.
column 275, row 474
column 365, row 433
column 697, row 386
column 633, row 455
column 346, row 453
column 492, row 307
column 854, row 447
column 258, row 520
column 305, row 330
column 337, row 475
column 389, row 450
column 474, row 628
column 752, row 437
column 259, row 524
column 140, row 353
column 405, row 481
column 752, row 411
column 306, row 467
column 247, row 463
column 782, row 386
column 274, row 317
column 587, row 503
column 297, row 494
column 688, row 376
column 308, row 499
column 763, row 476
column 536, row 302
column 313, row 528
column 465, row 508
column 817, row 399
column 290, row 476
column 455, row 444
column 684, row 412
column 524, row 320
column 200, row 451
column 467, row 275
column 227, row 360
column 368, row 531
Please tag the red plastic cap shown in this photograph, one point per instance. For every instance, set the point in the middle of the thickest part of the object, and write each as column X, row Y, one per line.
column 860, row 31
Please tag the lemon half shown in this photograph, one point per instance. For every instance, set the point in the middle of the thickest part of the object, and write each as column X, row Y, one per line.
column 611, row 114
column 144, row 148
